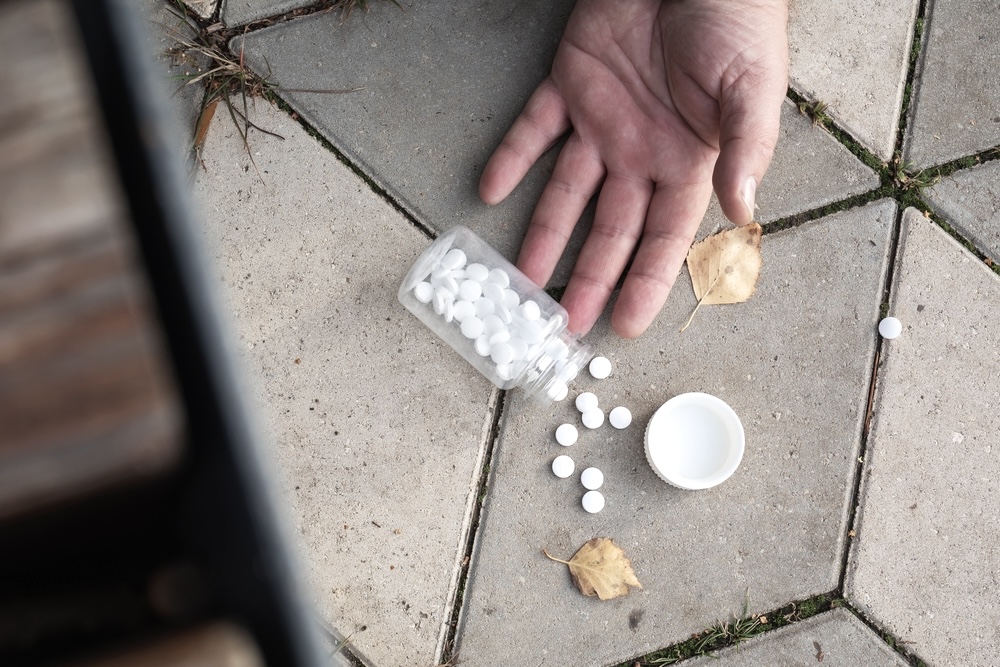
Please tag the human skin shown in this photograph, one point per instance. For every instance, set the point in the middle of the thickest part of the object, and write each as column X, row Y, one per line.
column 663, row 100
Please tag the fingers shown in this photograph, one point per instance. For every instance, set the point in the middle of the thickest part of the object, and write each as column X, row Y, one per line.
column 575, row 179
column 672, row 221
column 618, row 223
column 542, row 121
column 749, row 125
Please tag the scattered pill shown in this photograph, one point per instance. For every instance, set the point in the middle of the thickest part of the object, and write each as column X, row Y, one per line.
column 600, row 367
column 620, row 417
column 563, row 466
column 592, row 478
column 567, row 435
column 890, row 328
column 593, row 501
column 586, row 401
column 593, row 418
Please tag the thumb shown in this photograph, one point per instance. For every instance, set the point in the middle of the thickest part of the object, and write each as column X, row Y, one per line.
column 750, row 113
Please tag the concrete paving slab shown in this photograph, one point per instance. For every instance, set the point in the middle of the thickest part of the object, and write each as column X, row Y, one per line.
column 970, row 201
column 853, row 56
column 927, row 551
column 240, row 12
column 162, row 28
column 379, row 428
column 443, row 81
column 956, row 101
column 834, row 639
column 793, row 362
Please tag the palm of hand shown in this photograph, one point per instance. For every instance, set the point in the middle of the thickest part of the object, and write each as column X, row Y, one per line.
column 640, row 84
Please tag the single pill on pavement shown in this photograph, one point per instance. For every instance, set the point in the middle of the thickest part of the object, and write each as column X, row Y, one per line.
column 600, row 367
column 890, row 328
column 586, row 401
column 562, row 466
column 424, row 292
column 567, row 435
column 620, row 417
column 593, row 418
column 592, row 478
column 593, row 501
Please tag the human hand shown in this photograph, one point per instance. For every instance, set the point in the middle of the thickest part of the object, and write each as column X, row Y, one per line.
column 664, row 97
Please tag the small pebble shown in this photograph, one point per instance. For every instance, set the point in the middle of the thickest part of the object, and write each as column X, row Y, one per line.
column 586, row 401
column 593, row 418
column 600, row 367
column 593, row 501
column 620, row 417
column 567, row 435
column 592, row 478
column 890, row 328
column 424, row 292
column 563, row 466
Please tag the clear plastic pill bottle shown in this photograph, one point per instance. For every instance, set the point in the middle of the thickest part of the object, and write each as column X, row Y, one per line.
column 489, row 312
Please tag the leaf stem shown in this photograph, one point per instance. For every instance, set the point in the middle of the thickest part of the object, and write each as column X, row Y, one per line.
column 702, row 299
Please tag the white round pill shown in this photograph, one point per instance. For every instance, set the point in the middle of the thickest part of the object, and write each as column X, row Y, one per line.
column 600, row 367
column 593, row 418
column 511, row 299
column 442, row 298
column 492, row 324
column 503, row 312
column 504, row 372
column 531, row 332
column 567, row 435
column 890, row 328
column 530, row 310
column 470, row 290
column 499, row 277
column 449, row 311
column 593, row 501
column 493, row 292
column 484, row 307
column 501, row 336
column 463, row 310
column 558, row 391
column 477, row 272
column 502, row 354
column 620, row 417
column 563, row 466
column 424, row 292
column 483, row 347
column 472, row 327
column 586, row 401
column 453, row 259
column 592, row 478
column 520, row 348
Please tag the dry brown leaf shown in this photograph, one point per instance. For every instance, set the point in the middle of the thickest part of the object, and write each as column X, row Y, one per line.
column 724, row 268
column 600, row 568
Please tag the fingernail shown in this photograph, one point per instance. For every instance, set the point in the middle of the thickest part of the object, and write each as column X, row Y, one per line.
column 747, row 193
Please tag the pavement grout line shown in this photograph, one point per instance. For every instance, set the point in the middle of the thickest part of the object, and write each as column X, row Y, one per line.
column 445, row 651
column 897, row 645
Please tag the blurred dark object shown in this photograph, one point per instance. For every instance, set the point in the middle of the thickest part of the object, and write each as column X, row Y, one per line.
column 134, row 512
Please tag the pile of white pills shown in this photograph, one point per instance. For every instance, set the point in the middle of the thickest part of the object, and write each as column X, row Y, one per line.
column 592, row 417
column 512, row 333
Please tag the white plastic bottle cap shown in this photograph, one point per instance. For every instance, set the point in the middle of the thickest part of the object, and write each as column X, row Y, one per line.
column 567, row 435
column 890, row 328
column 600, row 367
column 694, row 441
column 592, row 478
column 586, row 401
column 593, row 418
column 563, row 466
column 620, row 417
column 593, row 501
